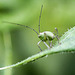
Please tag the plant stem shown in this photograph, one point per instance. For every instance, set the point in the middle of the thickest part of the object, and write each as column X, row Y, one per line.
column 8, row 51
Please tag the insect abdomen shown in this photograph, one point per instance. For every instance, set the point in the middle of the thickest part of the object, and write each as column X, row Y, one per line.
column 50, row 35
column 44, row 36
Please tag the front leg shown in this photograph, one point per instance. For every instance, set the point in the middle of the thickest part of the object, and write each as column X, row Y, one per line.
column 39, row 45
column 46, row 44
column 45, row 38
column 50, row 42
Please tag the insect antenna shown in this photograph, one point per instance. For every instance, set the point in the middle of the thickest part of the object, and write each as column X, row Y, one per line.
column 40, row 18
column 22, row 25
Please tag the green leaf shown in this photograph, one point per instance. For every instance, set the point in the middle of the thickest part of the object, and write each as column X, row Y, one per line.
column 67, row 45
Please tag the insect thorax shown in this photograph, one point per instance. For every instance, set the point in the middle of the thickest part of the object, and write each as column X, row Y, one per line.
column 44, row 36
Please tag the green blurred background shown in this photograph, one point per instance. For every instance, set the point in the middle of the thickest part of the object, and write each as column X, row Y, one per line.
column 18, row 43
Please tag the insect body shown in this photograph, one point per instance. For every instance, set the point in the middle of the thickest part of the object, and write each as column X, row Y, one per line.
column 44, row 36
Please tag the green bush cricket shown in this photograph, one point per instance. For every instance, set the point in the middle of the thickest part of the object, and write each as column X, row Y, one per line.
column 43, row 36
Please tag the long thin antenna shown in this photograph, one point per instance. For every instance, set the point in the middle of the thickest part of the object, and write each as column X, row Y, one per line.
column 21, row 25
column 40, row 18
